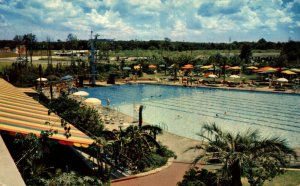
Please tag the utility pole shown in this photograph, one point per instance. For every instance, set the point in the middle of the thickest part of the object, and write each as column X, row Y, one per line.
column 224, row 64
column 92, row 60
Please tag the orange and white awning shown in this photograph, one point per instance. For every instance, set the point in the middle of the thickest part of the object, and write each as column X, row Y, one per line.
column 20, row 113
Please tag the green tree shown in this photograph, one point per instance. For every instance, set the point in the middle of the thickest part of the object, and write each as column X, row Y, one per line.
column 246, row 53
column 244, row 154
column 29, row 40
column 289, row 54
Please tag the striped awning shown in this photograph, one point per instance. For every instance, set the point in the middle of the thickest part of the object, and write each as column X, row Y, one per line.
column 20, row 113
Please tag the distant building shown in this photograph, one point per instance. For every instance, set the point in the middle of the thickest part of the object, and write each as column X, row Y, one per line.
column 74, row 53
column 21, row 49
column 5, row 49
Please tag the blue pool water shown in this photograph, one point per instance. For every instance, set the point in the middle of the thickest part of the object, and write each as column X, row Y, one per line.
column 183, row 110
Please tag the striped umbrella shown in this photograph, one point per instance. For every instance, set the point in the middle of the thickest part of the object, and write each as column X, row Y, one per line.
column 20, row 113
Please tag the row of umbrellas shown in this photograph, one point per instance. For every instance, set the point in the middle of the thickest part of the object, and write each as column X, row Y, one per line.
column 90, row 101
column 232, row 76
column 254, row 68
column 137, row 67
column 65, row 78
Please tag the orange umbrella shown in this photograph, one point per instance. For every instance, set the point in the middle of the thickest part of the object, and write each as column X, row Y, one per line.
column 263, row 69
column 152, row 66
column 188, row 66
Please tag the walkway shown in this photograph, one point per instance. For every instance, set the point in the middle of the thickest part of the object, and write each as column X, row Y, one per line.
column 174, row 173
column 9, row 173
column 167, row 177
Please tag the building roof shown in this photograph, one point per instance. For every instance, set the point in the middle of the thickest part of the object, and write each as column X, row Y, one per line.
column 20, row 113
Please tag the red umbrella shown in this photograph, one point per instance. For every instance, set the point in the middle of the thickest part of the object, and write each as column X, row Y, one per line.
column 152, row 66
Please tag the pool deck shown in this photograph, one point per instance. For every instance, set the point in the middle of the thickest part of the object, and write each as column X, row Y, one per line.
column 9, row 173
column 177, row 167
column 177, row 144
column 218, row 86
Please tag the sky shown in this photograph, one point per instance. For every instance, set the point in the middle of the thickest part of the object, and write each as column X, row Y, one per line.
column 178, row 20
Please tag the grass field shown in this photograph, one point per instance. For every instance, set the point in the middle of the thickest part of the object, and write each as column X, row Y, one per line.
column 289, row 178
column 194, row 53
column 149, row 53
column 3, row 64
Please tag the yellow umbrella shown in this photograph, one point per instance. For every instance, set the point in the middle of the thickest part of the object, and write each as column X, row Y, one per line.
column 207, row 67
column 295, row 70
column 235, row 68
column 252, row 68
column 288, row 72
column 136, row 67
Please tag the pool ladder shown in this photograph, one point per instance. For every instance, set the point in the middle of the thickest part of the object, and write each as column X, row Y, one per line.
column 163, row 126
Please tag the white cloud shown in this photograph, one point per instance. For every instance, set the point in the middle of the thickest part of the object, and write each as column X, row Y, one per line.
column 140, row 18
column 3, row 21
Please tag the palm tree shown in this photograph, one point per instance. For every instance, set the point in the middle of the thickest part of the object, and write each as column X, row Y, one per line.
column 244, row 154
column 152, row 130
column 132, row 145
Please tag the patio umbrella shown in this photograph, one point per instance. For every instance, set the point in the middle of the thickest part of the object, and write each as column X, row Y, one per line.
column 288, row 72
column 42, row 79
column 81, row 93
column 212, row 76
column 207, row 67
column 265, row 69
column 282, row 80
column 234, row 76
column 295, row 70
column 137, row 67
column 252, row 68
column 152, row 66
column 187, row 67
column 234, row 68
column 67, row 77
column 126, row 68
column 93, row 101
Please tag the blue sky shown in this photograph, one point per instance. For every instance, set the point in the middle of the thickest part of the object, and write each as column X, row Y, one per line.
column 179, row 20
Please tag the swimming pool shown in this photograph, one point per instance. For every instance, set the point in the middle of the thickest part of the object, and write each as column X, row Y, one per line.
column 183, row 110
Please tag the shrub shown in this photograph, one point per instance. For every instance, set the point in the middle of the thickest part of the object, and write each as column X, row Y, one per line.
column 202, row 177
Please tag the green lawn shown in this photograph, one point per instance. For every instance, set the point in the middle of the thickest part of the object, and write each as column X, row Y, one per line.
column 289, row 178
column 3, row 64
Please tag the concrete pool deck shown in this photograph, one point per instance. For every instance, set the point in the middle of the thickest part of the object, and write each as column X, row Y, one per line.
column 218, row 86
column 176, row 143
